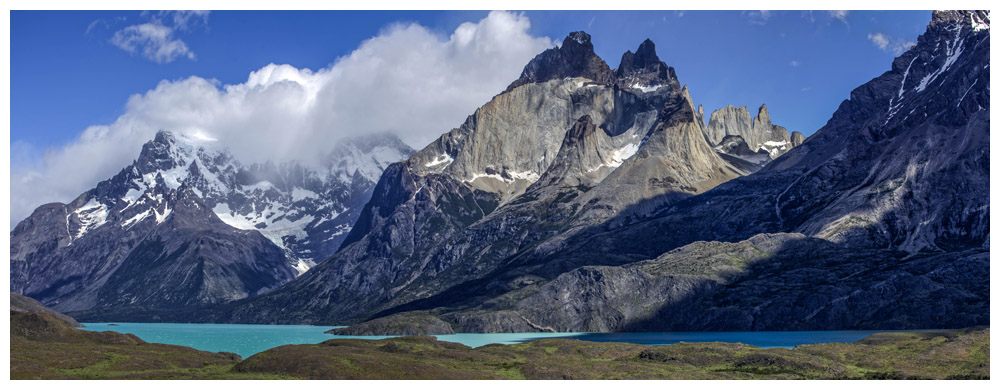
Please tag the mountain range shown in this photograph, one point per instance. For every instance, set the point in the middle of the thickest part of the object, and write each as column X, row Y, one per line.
column 581, row 198
column 187, row 224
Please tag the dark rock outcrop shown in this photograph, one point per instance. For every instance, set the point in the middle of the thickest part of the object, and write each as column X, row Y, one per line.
column 574, row 58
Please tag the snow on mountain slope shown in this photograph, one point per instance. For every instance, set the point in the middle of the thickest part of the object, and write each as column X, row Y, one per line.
column 305, row 210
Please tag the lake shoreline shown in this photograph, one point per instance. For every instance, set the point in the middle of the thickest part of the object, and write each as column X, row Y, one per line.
column 249, row 339
column 44, row 347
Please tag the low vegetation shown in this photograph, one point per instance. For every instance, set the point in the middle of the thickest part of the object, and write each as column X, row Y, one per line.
column 43, row 347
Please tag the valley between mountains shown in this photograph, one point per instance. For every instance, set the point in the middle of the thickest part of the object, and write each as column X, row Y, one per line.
column 581, row 198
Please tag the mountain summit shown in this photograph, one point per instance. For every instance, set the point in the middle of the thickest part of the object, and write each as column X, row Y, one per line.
column 574, row 58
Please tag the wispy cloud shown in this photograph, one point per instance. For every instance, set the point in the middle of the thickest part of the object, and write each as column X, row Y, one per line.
column 184, row 20
column 153, row 41
column 889, row 44
column 156, row 40
column 759, row 17
column 794, row 64
column 840, row 15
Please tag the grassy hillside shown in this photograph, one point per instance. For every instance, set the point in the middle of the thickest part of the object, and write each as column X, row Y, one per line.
column 44, row 347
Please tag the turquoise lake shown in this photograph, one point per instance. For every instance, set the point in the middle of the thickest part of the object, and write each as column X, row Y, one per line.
column 247, row 340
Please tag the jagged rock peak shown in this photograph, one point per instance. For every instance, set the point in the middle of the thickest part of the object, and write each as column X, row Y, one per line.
column 643, row 69
column 975, row 19
column 158, row 153
column 797, row 138
column 581, row 38
column 644, row 57
column 575, row 58
column 762, row 115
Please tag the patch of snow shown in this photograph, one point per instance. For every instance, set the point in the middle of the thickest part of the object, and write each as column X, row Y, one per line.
column 230, row 218
column 138, row 217
column 302, row 193
column 954, row 50
column 526, row 175
column 775, row 143
column 284, row 227
column 133, row 194
column 262, row 185
column 162, row 217
column 442, row 159
column 646, row 88
column 341, row 229
column 493, row 176
column 91, row 215
column 906, row 73
column 620, row 155
column 978, row 24
column 276, row 225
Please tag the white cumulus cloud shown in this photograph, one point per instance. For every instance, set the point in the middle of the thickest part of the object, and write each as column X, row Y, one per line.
column 407, row 80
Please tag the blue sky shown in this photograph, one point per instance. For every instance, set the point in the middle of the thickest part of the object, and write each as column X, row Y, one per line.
column 94, row 85
column 802, row 64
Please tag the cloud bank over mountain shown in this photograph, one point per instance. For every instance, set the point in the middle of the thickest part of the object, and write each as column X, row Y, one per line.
column 407, row 80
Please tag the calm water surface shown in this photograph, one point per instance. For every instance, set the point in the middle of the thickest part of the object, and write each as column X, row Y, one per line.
column 247, row 340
